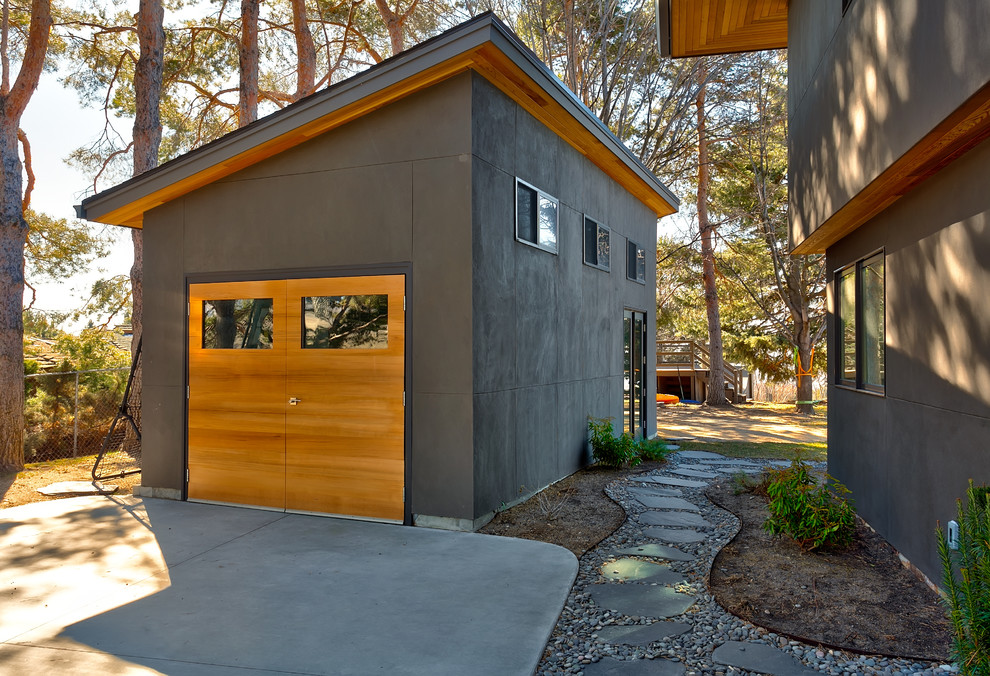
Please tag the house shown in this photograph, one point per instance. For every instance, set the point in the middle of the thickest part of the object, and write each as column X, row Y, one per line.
column 889, row 113
column 399, row 298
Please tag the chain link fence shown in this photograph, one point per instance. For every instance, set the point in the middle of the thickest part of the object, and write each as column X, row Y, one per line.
column 68, row 414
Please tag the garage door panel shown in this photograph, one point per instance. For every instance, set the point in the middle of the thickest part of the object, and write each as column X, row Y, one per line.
column 336, row 349
column 345, row 441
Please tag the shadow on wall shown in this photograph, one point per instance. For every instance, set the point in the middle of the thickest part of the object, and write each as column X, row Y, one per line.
column 874, row 93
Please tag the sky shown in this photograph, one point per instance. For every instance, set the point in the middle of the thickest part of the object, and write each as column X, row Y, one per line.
column 56, row 124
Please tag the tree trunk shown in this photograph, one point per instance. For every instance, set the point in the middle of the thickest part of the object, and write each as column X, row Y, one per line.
column 716, row 367
column 305, row 51
column 247, row 104
column 805, row 381
column 147, row 136
column 13, row 231
column 395, row 24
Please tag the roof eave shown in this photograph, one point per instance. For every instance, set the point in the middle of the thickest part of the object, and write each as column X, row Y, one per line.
column 422, row 66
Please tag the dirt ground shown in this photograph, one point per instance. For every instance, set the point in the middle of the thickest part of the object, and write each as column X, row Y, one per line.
column 22, row 488
column 744, row 422
column 861, row 598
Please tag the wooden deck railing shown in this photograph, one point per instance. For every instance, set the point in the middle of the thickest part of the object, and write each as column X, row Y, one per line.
column 693, row 356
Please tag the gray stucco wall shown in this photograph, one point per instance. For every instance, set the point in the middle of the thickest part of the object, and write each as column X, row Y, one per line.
column 391, row 187
column 547, row 328
column 511, row 348
column 907, row 456
column 865, row 87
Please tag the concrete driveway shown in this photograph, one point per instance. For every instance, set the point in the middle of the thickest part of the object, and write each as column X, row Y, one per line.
column 126, row 585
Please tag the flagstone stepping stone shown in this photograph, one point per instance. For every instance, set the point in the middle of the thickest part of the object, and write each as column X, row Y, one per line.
column 640, row 600
column 676, row 535
column 656, row 551
column 671, row 481
column 694, row 472
column 701, row 455
column 634, row 570
column 613, row 667
column 680, row 519
column 654, row 491
column 733, row 462
column 760, row 658
column 667, row 503
column 643, row 635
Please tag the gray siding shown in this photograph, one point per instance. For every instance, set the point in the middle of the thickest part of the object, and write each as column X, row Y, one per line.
column 907, row 456
column 390, row 187
column 547, row 328
column 865, row 87
column 511, row 348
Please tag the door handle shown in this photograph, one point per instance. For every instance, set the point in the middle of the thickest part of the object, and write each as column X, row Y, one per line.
column 293, row 401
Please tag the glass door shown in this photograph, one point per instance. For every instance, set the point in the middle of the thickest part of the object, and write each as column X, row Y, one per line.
column 634, row 368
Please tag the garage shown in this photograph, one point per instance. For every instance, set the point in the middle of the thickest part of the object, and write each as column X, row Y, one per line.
column 296, row 394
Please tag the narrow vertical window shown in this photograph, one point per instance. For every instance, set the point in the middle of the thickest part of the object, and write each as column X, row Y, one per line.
column 536, row 217
column 597, row 244
column 847, row 326
column 871, row 278
column 635, row 262
column 860, row 325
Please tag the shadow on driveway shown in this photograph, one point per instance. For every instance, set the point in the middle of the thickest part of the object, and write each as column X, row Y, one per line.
column 125, row 585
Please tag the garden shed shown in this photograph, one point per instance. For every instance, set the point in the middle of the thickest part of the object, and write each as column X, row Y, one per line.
column 399, row 298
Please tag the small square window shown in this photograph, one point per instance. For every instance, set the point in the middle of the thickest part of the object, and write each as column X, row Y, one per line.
column 238, row 324
column 635, row 262
column 597, row 244
column 536, row 217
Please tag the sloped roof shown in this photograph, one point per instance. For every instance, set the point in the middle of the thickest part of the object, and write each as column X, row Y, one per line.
column 705, row 27
column 483, row 44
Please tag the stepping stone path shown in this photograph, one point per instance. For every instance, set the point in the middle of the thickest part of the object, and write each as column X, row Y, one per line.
column 655, row 551
column 684, row 519
column 643, row 601
column 761, row 658
column 635, row 570
column 666, row 503
column 672, row 481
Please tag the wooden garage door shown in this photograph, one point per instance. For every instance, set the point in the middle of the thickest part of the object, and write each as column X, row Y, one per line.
column 296, row 395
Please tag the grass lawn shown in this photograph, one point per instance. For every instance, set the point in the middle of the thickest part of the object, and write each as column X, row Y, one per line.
column 769, row 450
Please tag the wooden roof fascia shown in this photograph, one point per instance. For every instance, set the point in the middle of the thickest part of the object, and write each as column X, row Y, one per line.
column 468, row 47
column 958, row 133
column 689, row 28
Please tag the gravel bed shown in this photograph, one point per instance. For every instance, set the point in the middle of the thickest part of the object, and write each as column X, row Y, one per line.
column 575, row 643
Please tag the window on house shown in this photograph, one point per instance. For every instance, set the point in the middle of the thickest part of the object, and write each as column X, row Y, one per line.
column 536, row 217
column 597, row 244
column 860, row 324
column 635, row 262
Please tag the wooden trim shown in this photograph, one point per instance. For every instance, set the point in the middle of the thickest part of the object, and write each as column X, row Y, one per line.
column 962, row 130
column 706, row 27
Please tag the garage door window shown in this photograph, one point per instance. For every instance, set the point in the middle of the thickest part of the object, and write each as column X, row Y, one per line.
column 345, row 322
column 239, row 323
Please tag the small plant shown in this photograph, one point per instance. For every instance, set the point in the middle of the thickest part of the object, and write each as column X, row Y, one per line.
column 552, row 505
column 967, row 597
column 816, row 516
column 743, row 482
column 608, row 449
column 651, row 449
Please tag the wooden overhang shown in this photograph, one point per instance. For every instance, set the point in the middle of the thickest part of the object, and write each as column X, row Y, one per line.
column 705, row 27
column 964, row 128
column 483, row 44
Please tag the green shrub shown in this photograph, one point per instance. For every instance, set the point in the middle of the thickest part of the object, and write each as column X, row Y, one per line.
column 651, row 449
column 816, row 516
column 608, row 449
column 622, row 450
column 967, row 596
